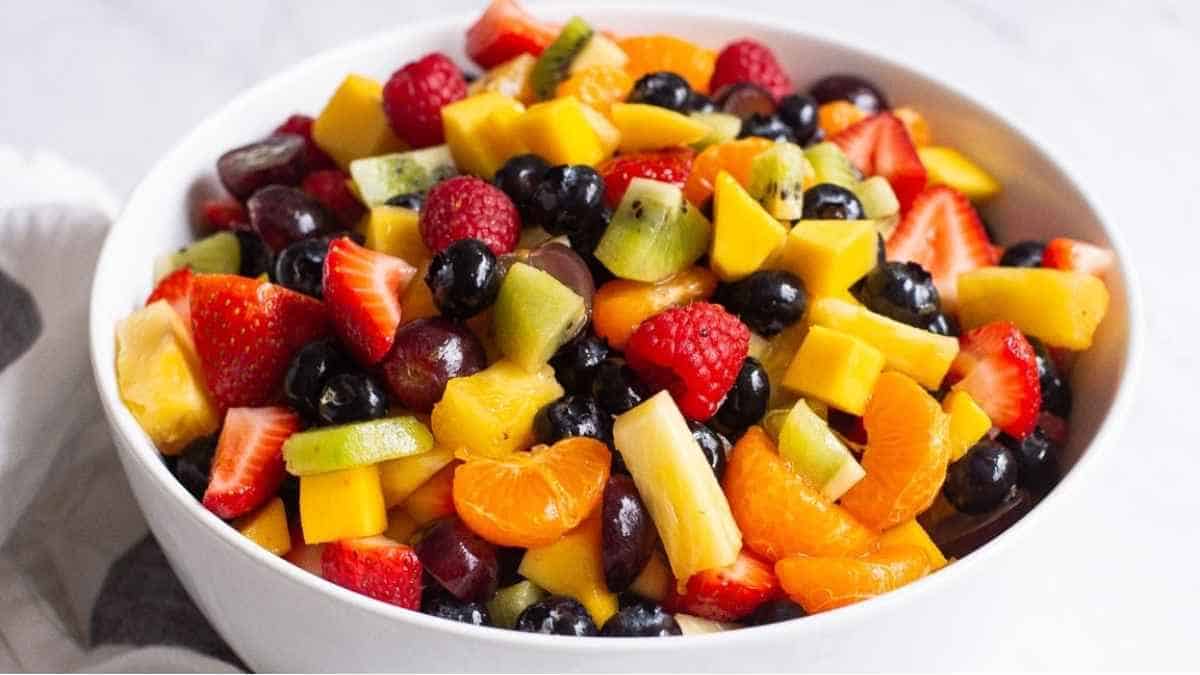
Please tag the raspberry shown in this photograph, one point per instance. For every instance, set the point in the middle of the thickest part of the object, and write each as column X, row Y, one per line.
column 465, row 207
column 669, row 166
column 413, row 98
column 315, row 158
column 330, row 189
column 224, row 214
column 693, row 352
column 750, row 61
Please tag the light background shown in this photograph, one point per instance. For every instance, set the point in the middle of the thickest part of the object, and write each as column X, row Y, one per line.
column 1114, row 581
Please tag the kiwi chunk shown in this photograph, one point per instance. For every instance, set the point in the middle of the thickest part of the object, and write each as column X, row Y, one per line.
column 217, row 254
column 554, row 64
column 534, row 315
column 654, row 233
column 508, row 602
column 359, row 444
column 877, row 198
column 382, row 177
column 832, row 166
column 777, row 180
column 723, row 127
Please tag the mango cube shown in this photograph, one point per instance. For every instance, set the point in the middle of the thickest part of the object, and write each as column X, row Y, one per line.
column 836, row 368
column 830, row 255
column 648, row 127
column 744, row 234
column 401, row 477
column 947, row 166
column 911, row 533
column 466, row 124
column 353, row 124
column 1060, row 308
column 559, row 131
column 395, row 231
column 159, row 377
column 344, row 504
column 572, row 566
column 968, row 422
column 492, row 411
column 267, row 527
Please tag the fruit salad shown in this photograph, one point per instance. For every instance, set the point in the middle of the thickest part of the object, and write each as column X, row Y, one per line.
column 613, row 335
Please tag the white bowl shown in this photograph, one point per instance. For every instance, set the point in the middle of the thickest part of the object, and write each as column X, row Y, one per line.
column 279, row 617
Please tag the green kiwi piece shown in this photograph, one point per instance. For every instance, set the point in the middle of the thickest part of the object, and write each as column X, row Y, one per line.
column 508, row 602
column 777, row 180
column 654, row 233
column 832, row 166
column 723, row 127
column 554, row 64
column 877, row 198
column 382, row 177
column 359, row 444
column 216, row 254
column 534, row 315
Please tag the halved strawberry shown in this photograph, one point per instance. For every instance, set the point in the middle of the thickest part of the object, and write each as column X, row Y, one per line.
column 728, row 593
column 505, row 31
column 247, row 468
column 943, row 234
column 377, row 567
column 1078, row 256
column 997, row 366
column 667, row 166
column 362, row 290
column 880, row 146
column 224, row 214
column 176, row 288
column 247, row 332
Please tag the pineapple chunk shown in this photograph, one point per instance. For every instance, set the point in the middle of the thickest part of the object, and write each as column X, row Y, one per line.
column 923, row 356
column 648, row 127
column 394, row 231
column 491, row 412
column 159, row 377
column 654, row 581
column 510, row 79
column 401, row 477
column 342, row 504
column 681, row 493
column 744, row 234
column 1058, row 307
column 947, row 166
column 466, row 122
column 911, row 533
column 609, row 135
column 968, row 422
column 815, row 453
column 572, row 566
column 353, row 123
column 559, row 131
column 267, row 527
column 830, row 255
column 836, row 368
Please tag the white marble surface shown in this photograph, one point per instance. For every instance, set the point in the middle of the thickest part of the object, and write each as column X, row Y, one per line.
column 111, row 84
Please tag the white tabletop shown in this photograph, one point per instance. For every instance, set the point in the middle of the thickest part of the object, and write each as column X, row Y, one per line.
column 111, row 84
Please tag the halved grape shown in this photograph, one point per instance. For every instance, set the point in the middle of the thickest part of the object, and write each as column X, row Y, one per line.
column 282, row 215
column 564, row 264
column 460, row 560
column 277, row 160
column 426, row 354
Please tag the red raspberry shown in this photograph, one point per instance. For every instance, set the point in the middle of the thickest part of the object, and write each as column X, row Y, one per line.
column 330, row 189
column 668, row 166
column 413, row 98
column 749, row 61
column 694, row 352
column 224, row 214
column 314, row 157
column 465, row 207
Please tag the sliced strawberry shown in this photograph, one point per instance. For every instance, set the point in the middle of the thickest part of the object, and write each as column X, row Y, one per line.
column 505, row 31
column 362, row 289
column 728, row 593
column 943, row 234
column 1078, row 256
column 665, row 166
column 997, row 366
column 247, row 468
column 880, row 146
column 224, row 214
column 246, row 333
column 377, row 567
column 176, row 288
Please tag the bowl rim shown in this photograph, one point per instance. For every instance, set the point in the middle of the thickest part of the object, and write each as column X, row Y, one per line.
column 133, row 441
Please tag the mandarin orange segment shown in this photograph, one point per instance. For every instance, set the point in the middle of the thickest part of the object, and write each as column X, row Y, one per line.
column 597, row 86
column 779, row 513
column 530, row 499
column 906, row 456
column 736, row 157
column 620, row 305
column 837, row 116
column 652, row 53
column 820, row 584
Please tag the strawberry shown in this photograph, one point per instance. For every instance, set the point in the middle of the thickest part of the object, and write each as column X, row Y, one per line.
column 997, row 366
column 1078, row 256
column 667, row 166
column 224, row 214
column 247, row 468
column 362, row 289
column 880, row 146
column 414, row 95
column 942, row 233
column 377, row 567
column 747, row 60
column 330, row 188
column 176, row 288
column 465, row 207
column 728, row 593
column 315, row 158
column 246, row 333
column 506, row 31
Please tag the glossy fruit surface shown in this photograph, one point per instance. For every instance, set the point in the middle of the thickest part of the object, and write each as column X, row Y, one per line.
column 627, row 533
column 714, row 446
column 567, row 200
column 445, row 606
column 1037, row 460
column 663, row 89
column 427, row 354
column 620, row 306
column 665, row 53
column 568, row 267
column 903, row 291
column 746, row 402
column 276, row 160
column 744, row 100
column 774, row 611
column 301, row 265
column 736, row 157
column 597, row 86
column 572, row 416
column 464, row 278
column 462, row 562
column 310, row 369
column 666, row 166
column 362, row 291
column 616, row 387
column 1023, row 254
column 799, row 112
column 997, row 366
column 518, row 178
column 727, row 593
column 575, row 363
column 853, row 88
column 767, row 301
column 982, row 479
column 748, row 60
column 282, row 215
column 820, row 584
column 465, row 207
column 641, row 619
column 556, row 615
column 826, row 201
column 351, row 397
column 415, row 94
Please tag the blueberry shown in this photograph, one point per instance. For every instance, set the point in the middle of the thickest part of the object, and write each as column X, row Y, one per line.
column 662, row 89
column 257, row 258
column 301, row 265
column 746, row 402
column 568, row 200
column 981, row 479
column 464, row 279
column 774, row 611
column 407, row 200
column 826, row 201
column 767, row 301
column 289, row 494
column 572, row 416
column 766, row 126
column 575, row 363
column 800, row 113
column 518, row 178
column 311, row 368
column 1037, row 459
column 700, row 103
column 351, row 397
column 616, row 387
column 642, row 619
column 436, row 602
column 943, row 324
column 194, row 464
column 1023, row 254
column 859, row 91
column 1056, row 391
column 903, row 291
column 556, row 615
column 714, row 446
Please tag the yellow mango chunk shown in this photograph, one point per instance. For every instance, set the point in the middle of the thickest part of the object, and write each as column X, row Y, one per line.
column 159, row 377
column 947, row 166
column 400, row 477
column 344, row 504
column 923, row 356
column 492, row 411
column 464, row 123
column 501, row 131
column 394, row 230
column 911, row 533
column 654, row 581
column 572, row 566
column 1058, row 307
column 829, row 255
column 648, row 127
column 417, row 300
column 744, row 234
column 353, row 125
column 836, row 368
column 267, row 527
column 559, row 131
column 968, row 422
